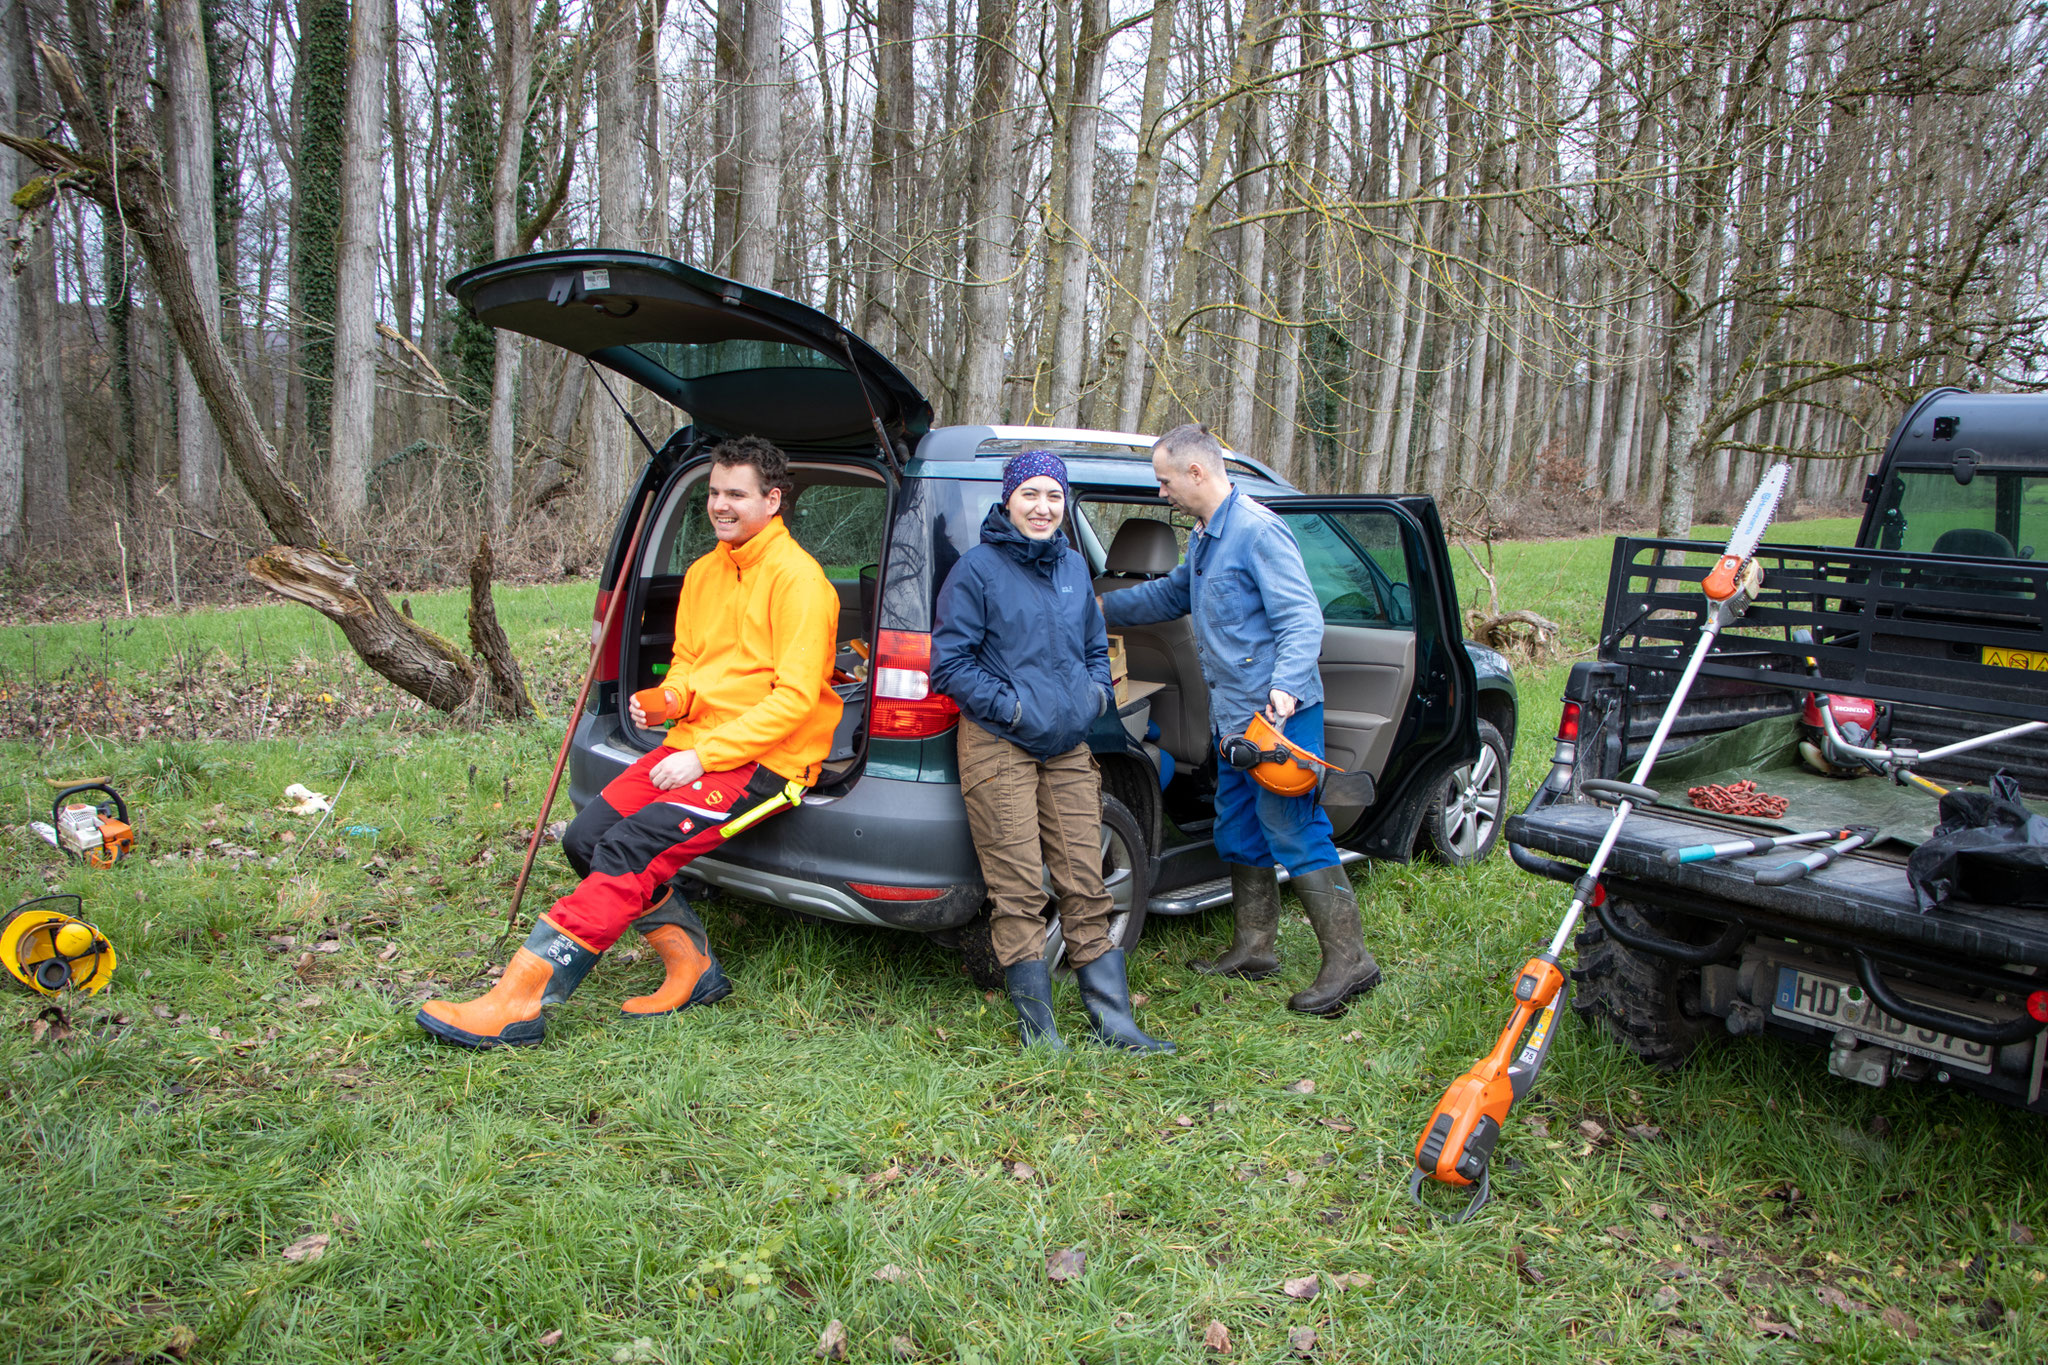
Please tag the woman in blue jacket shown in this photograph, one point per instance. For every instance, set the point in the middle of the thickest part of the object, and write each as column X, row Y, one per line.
column 1020, row 645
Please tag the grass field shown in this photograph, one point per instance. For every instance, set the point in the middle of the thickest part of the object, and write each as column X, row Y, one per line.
column 853, row 1136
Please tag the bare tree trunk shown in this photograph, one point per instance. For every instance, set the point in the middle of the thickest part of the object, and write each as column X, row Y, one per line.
column 1168, row 388
column 1621, row 457
column 760, row 188
column 1072, row 240
column 190, row 123
column 619, row 195
column 835, row 184
column 355, row 263
column 1383, row 467
column 889, row 169
column 402, row 287
column 1129, row 303
column 513, row 20
column 1240, row 411
column 46, row 459
column 728, row 64
column 990, row 211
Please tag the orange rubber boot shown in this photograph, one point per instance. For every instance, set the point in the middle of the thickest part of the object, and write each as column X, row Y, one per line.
column 693, row 977
column 542, row 973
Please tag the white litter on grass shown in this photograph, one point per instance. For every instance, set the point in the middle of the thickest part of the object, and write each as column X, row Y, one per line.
column 309, row 801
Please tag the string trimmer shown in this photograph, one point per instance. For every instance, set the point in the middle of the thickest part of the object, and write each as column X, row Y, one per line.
column 1456, row 1146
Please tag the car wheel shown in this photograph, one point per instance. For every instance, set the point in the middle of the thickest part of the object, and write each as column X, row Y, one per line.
column 1463, row 821
column 1126, row 875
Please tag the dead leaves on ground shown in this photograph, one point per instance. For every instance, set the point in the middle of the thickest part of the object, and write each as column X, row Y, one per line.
column 308, row 1248
column 1064, row 1266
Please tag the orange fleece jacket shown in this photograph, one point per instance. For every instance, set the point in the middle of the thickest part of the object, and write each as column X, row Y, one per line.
column 756, row 633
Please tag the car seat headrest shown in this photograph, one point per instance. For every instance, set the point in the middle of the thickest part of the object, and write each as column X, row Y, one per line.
column 1969, row 540
column 1142, row 546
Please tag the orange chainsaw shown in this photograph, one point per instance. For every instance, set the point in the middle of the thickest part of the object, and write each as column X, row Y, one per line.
column 96, row 833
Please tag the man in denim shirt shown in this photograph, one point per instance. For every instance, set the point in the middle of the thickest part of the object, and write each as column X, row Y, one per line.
column 1259, row 630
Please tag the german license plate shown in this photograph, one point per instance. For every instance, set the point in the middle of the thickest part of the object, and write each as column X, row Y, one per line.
column 1841, row 1005
column 2035, row 660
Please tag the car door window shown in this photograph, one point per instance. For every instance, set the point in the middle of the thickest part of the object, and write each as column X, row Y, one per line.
column 1358, row 564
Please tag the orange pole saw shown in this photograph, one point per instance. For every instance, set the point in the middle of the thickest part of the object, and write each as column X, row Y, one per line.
column 1456, row 1146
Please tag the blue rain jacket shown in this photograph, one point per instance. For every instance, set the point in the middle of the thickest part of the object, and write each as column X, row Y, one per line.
column 1020, row 643
column 1257, row 623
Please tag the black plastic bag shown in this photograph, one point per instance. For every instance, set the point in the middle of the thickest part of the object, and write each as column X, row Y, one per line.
column 1988, row 848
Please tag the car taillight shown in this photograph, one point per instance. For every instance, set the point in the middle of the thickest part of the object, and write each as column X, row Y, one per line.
column 607, row 646
column 875, row 891
column 1566, row 755
column 904, row 705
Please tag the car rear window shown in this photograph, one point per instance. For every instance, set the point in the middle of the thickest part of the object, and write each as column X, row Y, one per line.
column 701, row 360
column 838, row 515
column 1003, row 447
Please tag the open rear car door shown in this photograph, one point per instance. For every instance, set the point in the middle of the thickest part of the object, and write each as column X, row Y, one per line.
column 1399, row 693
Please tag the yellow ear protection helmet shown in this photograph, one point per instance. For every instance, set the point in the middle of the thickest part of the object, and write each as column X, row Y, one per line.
column 47, row 950
column 1274, row 761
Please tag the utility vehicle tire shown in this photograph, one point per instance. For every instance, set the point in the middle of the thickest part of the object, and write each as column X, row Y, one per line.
column 1648, row 1004
column 1463, row 821
column 1126, row 874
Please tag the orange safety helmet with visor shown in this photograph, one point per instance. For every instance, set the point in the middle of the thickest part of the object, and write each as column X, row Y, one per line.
column 1274, row 761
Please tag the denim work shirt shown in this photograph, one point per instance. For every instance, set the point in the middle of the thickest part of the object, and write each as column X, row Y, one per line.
column 1257, row 623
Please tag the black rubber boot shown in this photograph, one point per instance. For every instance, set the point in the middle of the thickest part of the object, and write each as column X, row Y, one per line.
column 1255, row 904
column 1348, row 969
column 1030, row 986
column 1106, row 993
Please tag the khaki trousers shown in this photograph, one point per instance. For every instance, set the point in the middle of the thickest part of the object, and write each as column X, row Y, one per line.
column 1026, row 815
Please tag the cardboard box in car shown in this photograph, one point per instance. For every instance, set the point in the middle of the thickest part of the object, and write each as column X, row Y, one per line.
column 1119, row 669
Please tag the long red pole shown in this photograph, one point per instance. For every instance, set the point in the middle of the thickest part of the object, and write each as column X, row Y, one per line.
column 604, row 634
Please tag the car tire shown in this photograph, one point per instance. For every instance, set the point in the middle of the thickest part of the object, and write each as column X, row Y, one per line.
column 1463, row 821
column 1126, row 875
column 1648, row 1004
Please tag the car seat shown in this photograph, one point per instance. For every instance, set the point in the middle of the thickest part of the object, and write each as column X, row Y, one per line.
column 1163, row 652
column 1971, row 540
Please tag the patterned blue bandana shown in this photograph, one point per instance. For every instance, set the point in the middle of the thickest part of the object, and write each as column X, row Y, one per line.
column 1030, row 464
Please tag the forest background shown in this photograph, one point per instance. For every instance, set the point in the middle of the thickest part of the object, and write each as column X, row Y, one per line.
column 1561, row 265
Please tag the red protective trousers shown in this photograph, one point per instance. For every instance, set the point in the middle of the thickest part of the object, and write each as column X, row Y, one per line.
column 635, row 836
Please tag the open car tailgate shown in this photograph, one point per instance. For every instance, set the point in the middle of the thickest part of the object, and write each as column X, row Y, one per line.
column 1859, row 896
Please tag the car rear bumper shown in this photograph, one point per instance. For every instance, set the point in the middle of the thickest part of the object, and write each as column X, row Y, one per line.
column 883, row 832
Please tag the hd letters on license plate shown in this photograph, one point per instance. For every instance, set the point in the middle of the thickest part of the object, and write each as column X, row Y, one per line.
column 1823, row 1000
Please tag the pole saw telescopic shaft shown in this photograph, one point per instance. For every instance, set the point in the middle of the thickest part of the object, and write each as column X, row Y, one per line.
column 1456, row 1146
column 612, row 606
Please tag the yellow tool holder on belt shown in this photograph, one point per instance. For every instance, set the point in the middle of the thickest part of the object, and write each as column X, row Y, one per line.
column 792, row 794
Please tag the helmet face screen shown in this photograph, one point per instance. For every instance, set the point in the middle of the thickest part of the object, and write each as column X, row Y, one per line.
column 1273, row 761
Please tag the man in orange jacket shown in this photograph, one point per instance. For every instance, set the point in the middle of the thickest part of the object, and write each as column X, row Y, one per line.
column 749, row 691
